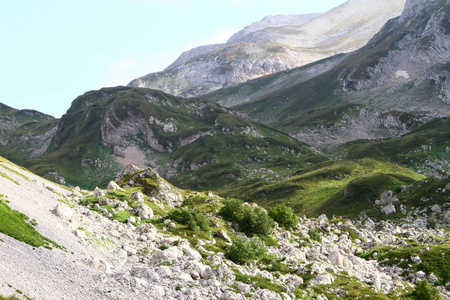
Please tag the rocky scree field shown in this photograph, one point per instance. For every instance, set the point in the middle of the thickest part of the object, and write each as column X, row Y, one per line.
column 142, row 238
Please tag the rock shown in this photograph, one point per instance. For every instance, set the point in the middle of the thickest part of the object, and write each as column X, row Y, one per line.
column 388, row 209
column 192, row 254
column 432, row 278
column 229, row 295
column 144, row 212
column 138, row 196
column 98, row 192
column 242, row 287
column 80, row 233
column 421, row 274
column 322, row 279
column 104, row 201
column 223, row 236
column 171, row 254
column 164, row 271
column 63, row 211
column 114, row 186
column 436, row 208
column 446, row 217
column 416, row 259
column 131, row 220
column 171, row 225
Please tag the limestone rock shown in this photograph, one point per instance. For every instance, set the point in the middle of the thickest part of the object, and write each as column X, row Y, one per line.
column 114, row 186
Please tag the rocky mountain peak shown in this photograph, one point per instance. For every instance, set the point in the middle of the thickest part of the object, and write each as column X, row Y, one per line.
column 415, row 7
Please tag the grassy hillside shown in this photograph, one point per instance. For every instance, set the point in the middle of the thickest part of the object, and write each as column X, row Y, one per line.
column 207, row 146
column 425, row 149
column 336, row 188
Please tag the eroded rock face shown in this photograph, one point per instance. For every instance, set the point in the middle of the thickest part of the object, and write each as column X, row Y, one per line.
column 274, row 44
column 116, row 130
column 151, row 183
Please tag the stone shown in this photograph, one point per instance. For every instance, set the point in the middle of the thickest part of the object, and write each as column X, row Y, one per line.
column 144, row 212
column 388, row 209
column 104, row 201
column 98, row 192
column 321, row 279
column 138, row 196
column 171, row 254
column 131, row 220
column 192, row 254
column 446, row 217
column 416, row 259
column 63, row 211
column 242, row 287
column 223, row 236
column 432, row 278
column 80, row 233
column 112, row 185
column 164, row 271
column 436, row 208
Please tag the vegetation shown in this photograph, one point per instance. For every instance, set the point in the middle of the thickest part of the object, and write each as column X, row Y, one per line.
column 18, row 226
column 425, row 291
column 250, row 220
column 284, row 216
column 191, row 218
column 244, row 250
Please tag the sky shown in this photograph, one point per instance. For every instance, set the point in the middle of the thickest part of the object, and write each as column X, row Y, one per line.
column 52, row 51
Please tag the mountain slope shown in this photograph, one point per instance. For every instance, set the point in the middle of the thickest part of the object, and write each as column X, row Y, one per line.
column 272, row 45
column 184, row 139
column 25, row 133
column 372, row 93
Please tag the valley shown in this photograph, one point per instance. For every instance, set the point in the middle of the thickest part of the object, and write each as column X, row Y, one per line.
column 296, row 161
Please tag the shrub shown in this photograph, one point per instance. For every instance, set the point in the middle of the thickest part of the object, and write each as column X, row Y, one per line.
column 191, row 218
column 431, row 223
column 284, row 216
column 244, row 250
column 251, row 220
column 314, row 234
column 425, row 291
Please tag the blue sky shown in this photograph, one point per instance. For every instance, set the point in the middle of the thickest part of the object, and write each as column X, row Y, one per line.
column 52, row 51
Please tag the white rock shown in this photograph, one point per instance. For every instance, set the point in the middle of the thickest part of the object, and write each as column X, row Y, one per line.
column 164, row 271
column 138, row 196
column 242, row 287
column 192, row 254
column 432, row 278
column 144, row 211
column 63, row 211
column 98, row 192
column 80, row 233
column 446, row 217
column 388, row 209
column 421, row 274
column 171, row 254
column 322, row 279
column 416, row 259
column 112, row 185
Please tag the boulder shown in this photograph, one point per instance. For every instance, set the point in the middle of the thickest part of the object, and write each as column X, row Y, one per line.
column 446, row 217
column 321, row 279
column 223, row 236
column 144, row 212
column 164, row 271
column 112, row 185
column 138, row 196
column 63, row 211
column 388, row 209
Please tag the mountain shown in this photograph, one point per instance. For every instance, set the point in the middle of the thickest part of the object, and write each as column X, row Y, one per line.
column 396, row 82
column 274, row 44
column 192, row 142
column 25, row 133
column 129, row 242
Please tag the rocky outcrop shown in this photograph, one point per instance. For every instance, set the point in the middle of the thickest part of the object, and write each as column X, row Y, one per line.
column 409, row 54
column 274, row 44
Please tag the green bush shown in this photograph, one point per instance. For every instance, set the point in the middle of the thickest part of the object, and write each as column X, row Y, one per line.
column 244, row 250
column 191, row 218
column 314, row 234
column 431, row 223
column 425, row 291
column 284, row 216
column 250, row 220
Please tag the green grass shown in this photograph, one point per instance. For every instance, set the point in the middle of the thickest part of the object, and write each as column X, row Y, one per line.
column 343, row 188
column 9, row 178
column 433, row 261
column 17, row 226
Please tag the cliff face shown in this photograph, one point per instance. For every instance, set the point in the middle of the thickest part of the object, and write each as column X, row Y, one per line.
column 409, row 55
column 274, row 44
